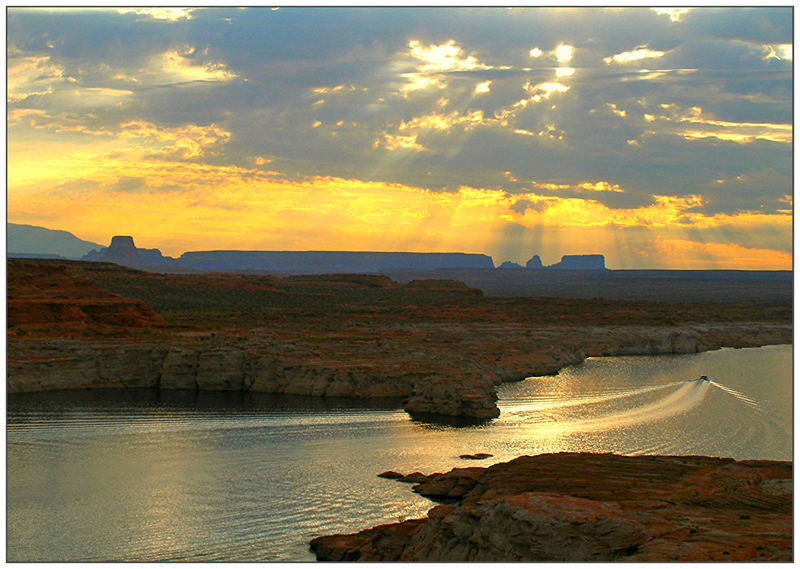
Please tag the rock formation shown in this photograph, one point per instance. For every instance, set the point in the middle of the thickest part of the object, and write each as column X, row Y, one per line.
column 582, row 507
column 46, row 298
column 122, row 251
column 440, row 345
column 451, row 397
column 509, row 265
column 534, row 263
column 581, row 263
column 329, row 261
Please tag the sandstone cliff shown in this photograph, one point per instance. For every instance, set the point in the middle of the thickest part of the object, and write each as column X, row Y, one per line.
column 461, row 384
column 582, row 507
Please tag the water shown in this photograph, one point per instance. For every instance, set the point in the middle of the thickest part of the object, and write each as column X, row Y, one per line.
column 132, row 475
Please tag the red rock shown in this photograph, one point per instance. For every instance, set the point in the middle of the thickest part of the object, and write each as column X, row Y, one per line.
column 382, row 543
column 594, row 507
column 414, row 477
column 51, row 299
column 391, row 474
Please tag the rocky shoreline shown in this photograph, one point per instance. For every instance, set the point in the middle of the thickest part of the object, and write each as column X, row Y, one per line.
column 439, row 345
column 582, row 507
column 462, row 386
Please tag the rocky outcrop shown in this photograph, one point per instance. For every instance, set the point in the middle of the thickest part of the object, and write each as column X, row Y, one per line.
column 570, row 262
column 458, row 388
column 452, row 397
column 582, row 507
column 509, row 265
column 534, row 262
column 531, row 526
column 122, row 251
column 49, row 299
column 476, row 456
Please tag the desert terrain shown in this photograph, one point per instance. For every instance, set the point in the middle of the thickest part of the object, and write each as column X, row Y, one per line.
column 440, row 345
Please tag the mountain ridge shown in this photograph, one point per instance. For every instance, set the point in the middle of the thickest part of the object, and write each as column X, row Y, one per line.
column 28, row 239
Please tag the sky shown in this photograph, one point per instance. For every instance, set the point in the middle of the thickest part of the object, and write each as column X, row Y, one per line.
column 661, row 138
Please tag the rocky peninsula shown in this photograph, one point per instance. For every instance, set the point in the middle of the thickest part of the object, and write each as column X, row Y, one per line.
column 582, row 507
column 440, row 346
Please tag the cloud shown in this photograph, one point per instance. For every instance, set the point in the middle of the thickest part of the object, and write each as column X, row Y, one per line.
column 185, row 141
column 693, row 123
column 782, row 52
column 564, row 53
column 675, row 14
column 431, row 63
column 169, row 14
column 177, row 65
column 637, row 54
column 29, row 75
column 604, row 108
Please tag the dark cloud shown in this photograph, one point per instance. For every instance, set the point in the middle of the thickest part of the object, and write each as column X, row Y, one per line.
column 714, row 60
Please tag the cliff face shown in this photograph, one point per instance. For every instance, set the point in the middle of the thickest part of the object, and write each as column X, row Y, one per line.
column 582, row 507
column 329, row 261
column 461, row 384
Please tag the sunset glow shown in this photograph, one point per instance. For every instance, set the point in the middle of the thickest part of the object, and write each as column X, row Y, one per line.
column 475, row 130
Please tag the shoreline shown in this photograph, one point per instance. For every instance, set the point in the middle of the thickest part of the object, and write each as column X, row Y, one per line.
column 441, row 346
column 466, row 393
column 583, row 507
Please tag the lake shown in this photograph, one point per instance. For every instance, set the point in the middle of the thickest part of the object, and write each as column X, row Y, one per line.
column 137, row 475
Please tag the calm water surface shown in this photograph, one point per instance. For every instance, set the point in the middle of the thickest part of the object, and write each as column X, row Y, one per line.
column 138, row 475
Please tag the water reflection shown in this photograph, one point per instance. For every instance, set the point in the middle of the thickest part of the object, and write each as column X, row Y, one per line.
column 150, row 476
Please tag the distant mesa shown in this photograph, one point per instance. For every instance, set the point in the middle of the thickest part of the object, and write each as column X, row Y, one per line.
column 534, row 263
column 38, row 242
column 581, row 263
column 329, row 261
column 123, row 251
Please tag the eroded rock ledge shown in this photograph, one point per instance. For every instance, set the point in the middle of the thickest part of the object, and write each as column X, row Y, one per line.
column 461, row 383
column 584, row 507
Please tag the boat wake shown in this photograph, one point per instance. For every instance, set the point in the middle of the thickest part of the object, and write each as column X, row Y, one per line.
column 542, row 404
column 545, row 413
column 738, row 395
column 685, row 395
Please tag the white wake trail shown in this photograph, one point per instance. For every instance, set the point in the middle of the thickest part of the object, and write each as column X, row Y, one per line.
column 546, row 405
column 686, row 397
column 738, row 395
